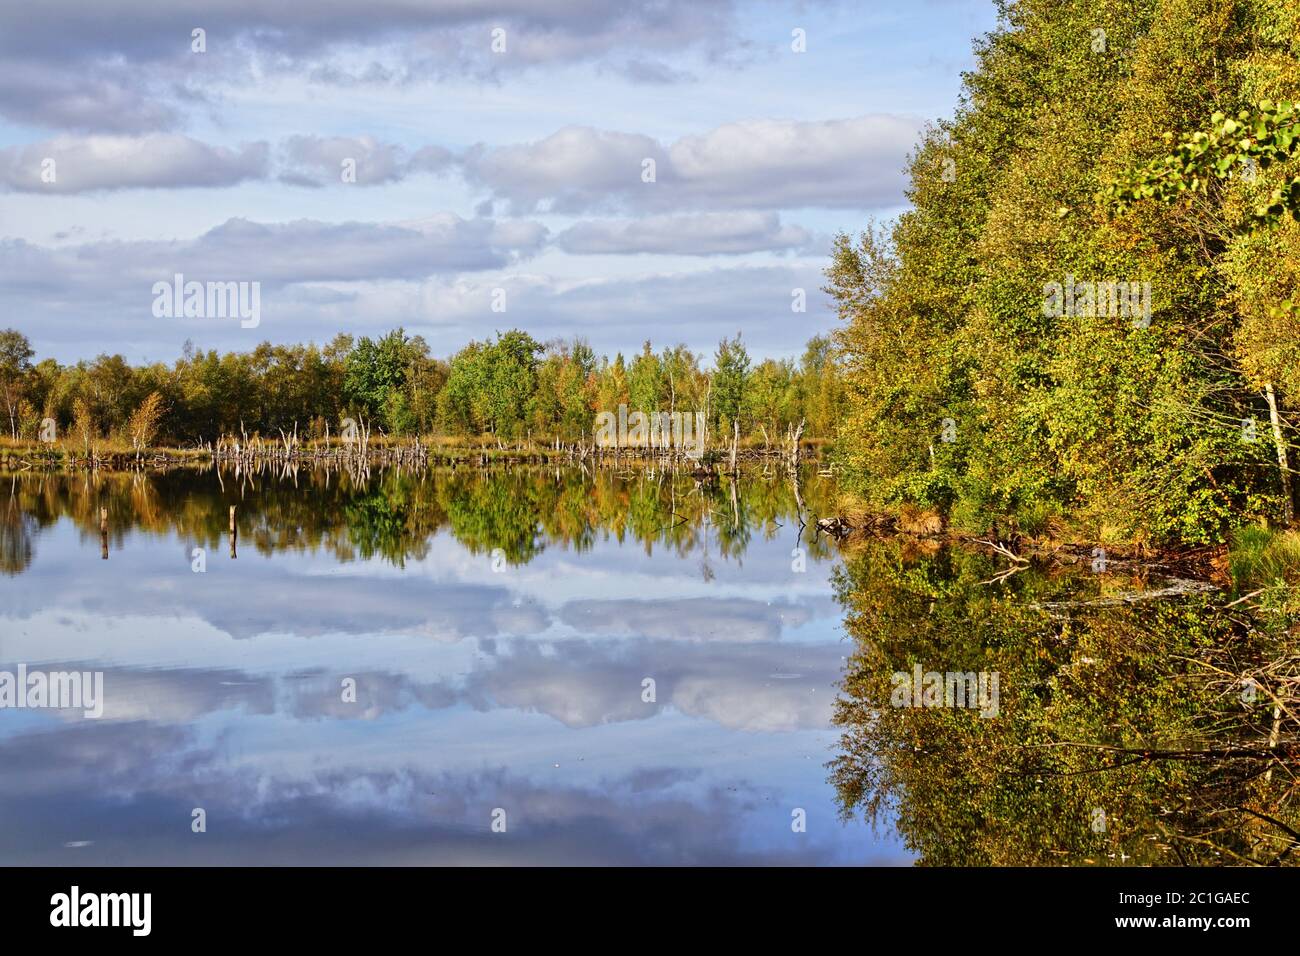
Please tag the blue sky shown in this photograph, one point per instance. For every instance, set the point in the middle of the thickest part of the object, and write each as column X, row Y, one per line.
column 477, row 170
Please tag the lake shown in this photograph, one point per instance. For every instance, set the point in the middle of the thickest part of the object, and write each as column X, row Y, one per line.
column 499, row 627
column 615, row 665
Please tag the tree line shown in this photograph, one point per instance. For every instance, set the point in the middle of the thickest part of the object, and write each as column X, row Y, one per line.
column 508, row 388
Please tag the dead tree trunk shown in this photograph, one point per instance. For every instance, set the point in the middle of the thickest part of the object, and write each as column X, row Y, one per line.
column 1288, row 500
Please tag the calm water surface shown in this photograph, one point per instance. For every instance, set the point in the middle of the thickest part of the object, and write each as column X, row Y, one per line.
column 500, row 628
column 626, row 667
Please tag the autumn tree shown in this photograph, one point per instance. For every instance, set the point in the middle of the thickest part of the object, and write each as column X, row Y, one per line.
column 143, row 424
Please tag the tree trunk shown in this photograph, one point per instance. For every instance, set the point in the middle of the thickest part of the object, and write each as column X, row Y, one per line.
column 1288, row 499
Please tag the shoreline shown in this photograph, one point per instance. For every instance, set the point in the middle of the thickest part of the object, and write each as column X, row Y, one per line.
column 416, row 452
column 1020, row 551
column 848, row 524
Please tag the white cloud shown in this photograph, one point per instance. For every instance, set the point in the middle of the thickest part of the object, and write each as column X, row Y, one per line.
column 696, row 307
column 154, row 161
column 317, row 161
column 726, row 233
column 757, row 164
column 276, row 253
column 104, row 96
column 128, row 65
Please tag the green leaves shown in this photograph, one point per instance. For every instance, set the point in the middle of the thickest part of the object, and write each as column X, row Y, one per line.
column 376, row 376
column 491, row 385
column 1201, row 157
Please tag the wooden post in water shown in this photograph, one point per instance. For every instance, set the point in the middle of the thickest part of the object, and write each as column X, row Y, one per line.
column 234, row 534
column 103, row 533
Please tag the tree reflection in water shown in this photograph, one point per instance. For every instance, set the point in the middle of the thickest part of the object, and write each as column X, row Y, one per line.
column 393, row 515
column 1126, row 732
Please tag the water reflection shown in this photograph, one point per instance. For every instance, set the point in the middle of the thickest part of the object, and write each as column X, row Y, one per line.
column 1125, row 734
column 499, row 628
column 394, row 515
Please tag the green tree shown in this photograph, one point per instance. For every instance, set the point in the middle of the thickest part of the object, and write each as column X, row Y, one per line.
column 15, row 365
column 645, row 381
column 965, row 389
column 376, row 376
column 730, row 376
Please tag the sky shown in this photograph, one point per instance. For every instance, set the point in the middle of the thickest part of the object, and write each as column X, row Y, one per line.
column 502, row 165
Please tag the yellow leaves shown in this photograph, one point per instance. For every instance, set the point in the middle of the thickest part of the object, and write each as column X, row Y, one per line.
column 142, row 427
